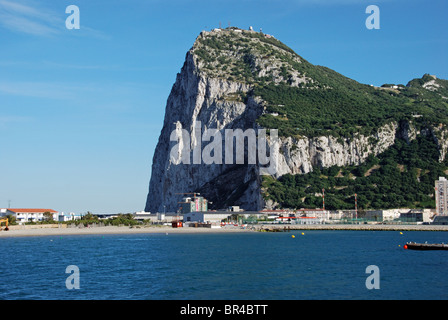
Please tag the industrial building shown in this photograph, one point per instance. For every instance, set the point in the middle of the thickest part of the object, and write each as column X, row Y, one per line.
column 383, row 215
column 416, row 215
column 440, row 220
column 159, row 217
column 207, row 217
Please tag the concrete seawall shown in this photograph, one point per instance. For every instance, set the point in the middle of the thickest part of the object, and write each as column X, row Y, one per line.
column 38, row 226
column 359, row 227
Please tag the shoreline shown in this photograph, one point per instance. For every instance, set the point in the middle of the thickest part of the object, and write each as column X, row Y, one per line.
column 356, row 227
column 110, row 230
column 114, row 230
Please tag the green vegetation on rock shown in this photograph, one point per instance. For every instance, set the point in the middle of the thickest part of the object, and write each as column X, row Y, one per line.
column 401, row 177
column 325, row 102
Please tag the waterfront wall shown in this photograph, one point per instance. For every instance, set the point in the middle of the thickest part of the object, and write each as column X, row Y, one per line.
column 360, row 227
column 37, row 226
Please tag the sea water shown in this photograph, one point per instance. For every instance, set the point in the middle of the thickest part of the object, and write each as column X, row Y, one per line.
column 253, row 266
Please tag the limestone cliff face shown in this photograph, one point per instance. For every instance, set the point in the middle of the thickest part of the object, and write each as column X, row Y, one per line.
column 196, row 102
column 203, row 98
column 300, row 156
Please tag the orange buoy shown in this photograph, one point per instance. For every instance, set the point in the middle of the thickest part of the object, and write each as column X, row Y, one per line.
column 405, row 246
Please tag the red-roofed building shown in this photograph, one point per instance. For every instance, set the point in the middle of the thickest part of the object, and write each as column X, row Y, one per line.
column 28, row 215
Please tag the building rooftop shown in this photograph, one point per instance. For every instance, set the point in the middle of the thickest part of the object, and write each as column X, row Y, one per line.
column 21, row 210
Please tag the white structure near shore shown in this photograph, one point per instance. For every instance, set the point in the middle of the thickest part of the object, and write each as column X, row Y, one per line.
column 28, row 215
column 208, row 217
column 71, row 216
column 404, row 215
column 159, row 217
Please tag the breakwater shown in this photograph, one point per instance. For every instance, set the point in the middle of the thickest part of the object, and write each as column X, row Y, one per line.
column 359, row 227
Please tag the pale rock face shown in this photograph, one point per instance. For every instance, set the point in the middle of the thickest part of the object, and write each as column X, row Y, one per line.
column 194, row 99
column 440, row 136
column 300, row 156
column 431, row 85
column 199, row 98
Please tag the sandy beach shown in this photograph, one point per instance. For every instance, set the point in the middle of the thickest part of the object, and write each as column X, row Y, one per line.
column 55, row 230
column 30, row 232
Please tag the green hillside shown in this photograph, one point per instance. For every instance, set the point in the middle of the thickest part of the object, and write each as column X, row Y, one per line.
column 347, row 108
column 401, row 177
column 326, row 103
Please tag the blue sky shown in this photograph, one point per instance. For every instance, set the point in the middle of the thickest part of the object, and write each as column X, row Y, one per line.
column 81, row 110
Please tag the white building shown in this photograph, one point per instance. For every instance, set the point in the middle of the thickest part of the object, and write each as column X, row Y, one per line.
column 28, row 215
column 441, row 189
column 62, row 217
column 159, row 217
column 209, row 217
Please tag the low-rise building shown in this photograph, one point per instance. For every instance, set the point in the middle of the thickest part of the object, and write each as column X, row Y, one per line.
column 29, row 215
column 384, row 215
column 308, row 220
column 416, row 215
column 208, row 217
column 278, row 212
column 440, row 220
column 71, row 216
column 159, row 217
column 403, row 215
column 316, row 213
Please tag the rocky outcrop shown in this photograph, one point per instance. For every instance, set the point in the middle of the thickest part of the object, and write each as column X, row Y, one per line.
column 202, row 101
column 196, row 103
column 298, row 156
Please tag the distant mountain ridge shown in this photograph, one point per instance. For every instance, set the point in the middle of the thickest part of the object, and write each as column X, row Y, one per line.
column 235, row 78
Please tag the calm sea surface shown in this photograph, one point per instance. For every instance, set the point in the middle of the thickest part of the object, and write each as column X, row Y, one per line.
column 261, row 266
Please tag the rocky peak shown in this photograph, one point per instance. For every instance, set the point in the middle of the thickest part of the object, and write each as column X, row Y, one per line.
column 241, row 79
column 247, row 56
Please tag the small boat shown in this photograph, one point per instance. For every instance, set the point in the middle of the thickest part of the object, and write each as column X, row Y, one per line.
column 425, row 246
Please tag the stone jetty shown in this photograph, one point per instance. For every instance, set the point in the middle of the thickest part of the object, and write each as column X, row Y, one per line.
column 357, row 227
